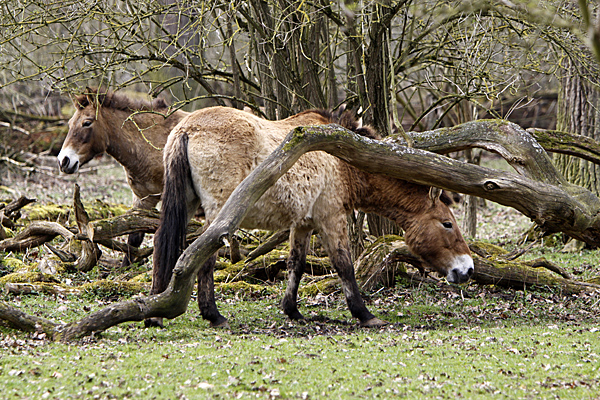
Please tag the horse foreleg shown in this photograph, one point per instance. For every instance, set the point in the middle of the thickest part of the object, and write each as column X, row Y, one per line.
column 134, row 240
column 299, row 242
column 342, row 263
column 206, row 295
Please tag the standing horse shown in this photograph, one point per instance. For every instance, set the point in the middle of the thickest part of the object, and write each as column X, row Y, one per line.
column 212, row 150
column 132, row 131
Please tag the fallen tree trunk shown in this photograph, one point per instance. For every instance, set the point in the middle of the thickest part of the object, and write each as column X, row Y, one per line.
column 555, row 207
column 384, row 261
column 102, row 231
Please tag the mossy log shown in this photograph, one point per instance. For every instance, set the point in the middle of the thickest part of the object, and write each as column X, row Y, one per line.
column 539, row 193
column 34, row 288
column 382, row 263
column 580, row 146
column 35, row 234
column 378, row 265
column 9, row 213
column 102, row 231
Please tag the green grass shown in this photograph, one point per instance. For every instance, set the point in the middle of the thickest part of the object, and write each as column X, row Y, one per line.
column 481, row 343
column 443, row 342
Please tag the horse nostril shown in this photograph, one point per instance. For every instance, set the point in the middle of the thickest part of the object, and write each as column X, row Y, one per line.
column 65, row 163
column 470, row 272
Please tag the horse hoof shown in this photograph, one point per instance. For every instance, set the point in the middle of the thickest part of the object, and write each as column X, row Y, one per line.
column 374, row 323
column 221, row 324
column 154, row 323
column 295, row 315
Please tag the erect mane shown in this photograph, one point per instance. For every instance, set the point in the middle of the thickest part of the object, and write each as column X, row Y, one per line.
column 346, row 119
column 116, row 101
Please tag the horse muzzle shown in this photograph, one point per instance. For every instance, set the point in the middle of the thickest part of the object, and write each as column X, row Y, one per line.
column 67, row 162
column 462, row 270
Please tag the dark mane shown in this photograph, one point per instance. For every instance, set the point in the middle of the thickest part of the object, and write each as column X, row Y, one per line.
column 117, row 101
column 346, row 119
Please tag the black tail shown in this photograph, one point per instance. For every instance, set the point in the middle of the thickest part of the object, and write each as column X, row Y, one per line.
column 169, row 240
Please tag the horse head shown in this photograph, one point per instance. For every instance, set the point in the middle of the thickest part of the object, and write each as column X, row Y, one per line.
column 435, row 237
column 87, row 135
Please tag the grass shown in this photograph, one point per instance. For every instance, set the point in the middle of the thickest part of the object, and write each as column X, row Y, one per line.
column 467, row 363
column 443, row 342
column 478, row 343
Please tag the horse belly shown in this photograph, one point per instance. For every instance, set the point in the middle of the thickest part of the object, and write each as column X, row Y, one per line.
column 291, row 200
column 217, row 170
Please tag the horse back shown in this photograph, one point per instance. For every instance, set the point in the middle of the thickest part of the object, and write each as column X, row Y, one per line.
column 226, row 144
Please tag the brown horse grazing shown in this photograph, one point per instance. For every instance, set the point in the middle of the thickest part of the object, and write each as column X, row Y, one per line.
column 212, row 150
column 103, row 122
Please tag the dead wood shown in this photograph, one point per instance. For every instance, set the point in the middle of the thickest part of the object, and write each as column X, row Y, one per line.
column 11, row 209
column 571, row 144
column 35, row 234
column 102, row 232
column 34, row 288
column 90, row 253
column 10, row 212
column 383, row 262
column 272, row 242
column 548, row 200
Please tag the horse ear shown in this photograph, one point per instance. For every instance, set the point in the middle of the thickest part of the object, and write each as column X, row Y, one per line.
column 80, row 102
column 434, row 193
column 95, row 97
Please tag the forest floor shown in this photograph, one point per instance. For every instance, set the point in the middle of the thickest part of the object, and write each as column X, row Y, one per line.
column 442, row 341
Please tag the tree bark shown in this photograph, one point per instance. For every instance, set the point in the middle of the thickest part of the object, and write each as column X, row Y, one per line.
column 578, row 112
column 571, row 144
column 90, row 253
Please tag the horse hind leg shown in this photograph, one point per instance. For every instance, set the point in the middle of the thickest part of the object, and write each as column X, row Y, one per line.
column 206, row 295
column 299, row 243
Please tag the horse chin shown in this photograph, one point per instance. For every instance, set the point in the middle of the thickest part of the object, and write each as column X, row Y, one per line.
column 461, row 270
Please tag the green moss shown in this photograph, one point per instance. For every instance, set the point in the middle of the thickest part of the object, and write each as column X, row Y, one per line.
column 142, row 278
column 244, row 289
column 105, row 288
column 14, row 264
column 486, row 249
column 594, row 280
column 228, row 271
column 297, row 138
column 27, row 277
column 325, row 286
column 100, row 210
column 46, row 212
column 9, row 232
column 54, row 212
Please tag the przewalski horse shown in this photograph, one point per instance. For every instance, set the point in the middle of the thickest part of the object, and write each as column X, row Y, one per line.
column 212, row 150
column 133, row 132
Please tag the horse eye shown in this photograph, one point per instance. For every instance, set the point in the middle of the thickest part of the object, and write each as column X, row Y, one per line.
column 447, row 225
column 86, row 123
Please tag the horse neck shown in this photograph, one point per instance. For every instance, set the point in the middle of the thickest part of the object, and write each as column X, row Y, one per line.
column 137, row 144
column 392, row 198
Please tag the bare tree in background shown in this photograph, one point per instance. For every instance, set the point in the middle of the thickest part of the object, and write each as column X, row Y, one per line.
column 401, row 64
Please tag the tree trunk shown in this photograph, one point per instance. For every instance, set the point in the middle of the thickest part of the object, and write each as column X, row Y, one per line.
column 578, row 112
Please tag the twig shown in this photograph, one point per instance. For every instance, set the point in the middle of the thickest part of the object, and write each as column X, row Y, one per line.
column 14, row 128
